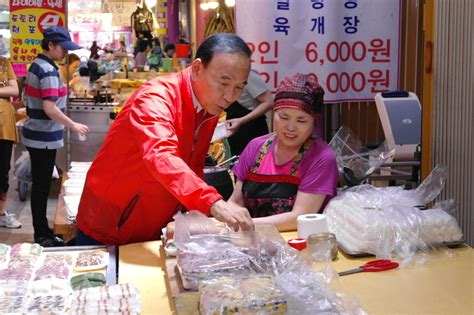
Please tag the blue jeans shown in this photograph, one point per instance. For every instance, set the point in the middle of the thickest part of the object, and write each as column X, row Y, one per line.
column 84, row 239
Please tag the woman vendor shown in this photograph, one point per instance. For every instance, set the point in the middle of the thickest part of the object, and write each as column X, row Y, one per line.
column 291, row 171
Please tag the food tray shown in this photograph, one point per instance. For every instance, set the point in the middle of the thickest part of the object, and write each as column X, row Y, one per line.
column 111, row 271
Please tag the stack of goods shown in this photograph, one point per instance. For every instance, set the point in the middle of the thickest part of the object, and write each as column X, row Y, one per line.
column 47, row 304
column 254, row 295
column 388, row 221
column 74, row 186
column 117, row 299
column 32, row 281
column 19, row 264
column 52, row 276
column 212, row 258
column 208, row 256
column 251, row 272
column 22, row 262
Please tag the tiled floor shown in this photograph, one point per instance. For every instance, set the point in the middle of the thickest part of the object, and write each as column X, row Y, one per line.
column 22, row 210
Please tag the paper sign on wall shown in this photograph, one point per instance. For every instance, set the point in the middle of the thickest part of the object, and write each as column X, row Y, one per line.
column 352, row 47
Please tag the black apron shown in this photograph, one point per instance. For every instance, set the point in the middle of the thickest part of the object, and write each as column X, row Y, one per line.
column 266, row 195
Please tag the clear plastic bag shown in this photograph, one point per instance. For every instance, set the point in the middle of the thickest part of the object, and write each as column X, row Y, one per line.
column 221, row 261
column 242, row 295
column 22, row 167
column 206, row 251
column 388, row 222
column 354, row 161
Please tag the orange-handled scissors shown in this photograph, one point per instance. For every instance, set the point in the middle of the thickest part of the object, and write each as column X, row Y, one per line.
column 372, row 266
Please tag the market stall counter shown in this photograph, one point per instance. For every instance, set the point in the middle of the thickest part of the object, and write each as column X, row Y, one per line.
column 442, row 285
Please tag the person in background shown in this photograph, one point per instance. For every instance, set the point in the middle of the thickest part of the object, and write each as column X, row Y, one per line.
column 123, row 47
column 8, row 136
column 74, row 63
column 142, row 55
column 291, row 171
column 246, row 119
column 94, row 49
column 43, row 131
column 151, row 163
column 93, row 67
column 107, row 49
column 157, row 51
column 156, row 54
column 169, row 50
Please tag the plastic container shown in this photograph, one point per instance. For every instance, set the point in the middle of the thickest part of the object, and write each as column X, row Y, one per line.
column 298, row 243
column 166, row 64
column 323, row 246
column 182, row 50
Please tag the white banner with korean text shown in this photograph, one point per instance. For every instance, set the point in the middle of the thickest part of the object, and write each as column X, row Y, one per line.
column 352, row 47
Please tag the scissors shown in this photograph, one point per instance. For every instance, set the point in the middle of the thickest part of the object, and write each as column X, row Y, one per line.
column 372, row 266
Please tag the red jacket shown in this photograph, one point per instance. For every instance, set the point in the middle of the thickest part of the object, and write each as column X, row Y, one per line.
column 150, row 162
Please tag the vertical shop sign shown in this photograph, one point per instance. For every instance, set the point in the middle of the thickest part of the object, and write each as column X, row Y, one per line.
column 352, row 47
column 28, row 20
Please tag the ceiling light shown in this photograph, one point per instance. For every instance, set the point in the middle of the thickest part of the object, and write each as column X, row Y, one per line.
column 213, row 4
column 230, row 3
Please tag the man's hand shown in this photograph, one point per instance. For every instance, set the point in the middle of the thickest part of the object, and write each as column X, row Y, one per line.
column 232, row 214
column 232, row 125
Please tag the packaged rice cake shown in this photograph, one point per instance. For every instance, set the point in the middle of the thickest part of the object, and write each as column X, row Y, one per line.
column 91, row 260
column 250, row 295
column 13, row 305
column 26, row 249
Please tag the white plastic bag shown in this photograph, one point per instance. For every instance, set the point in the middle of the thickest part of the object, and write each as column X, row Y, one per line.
column 23, row 166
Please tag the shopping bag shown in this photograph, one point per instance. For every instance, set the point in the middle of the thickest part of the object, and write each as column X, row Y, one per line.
column 23, row 167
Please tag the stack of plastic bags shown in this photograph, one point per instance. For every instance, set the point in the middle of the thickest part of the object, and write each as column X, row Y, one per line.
column 74, row 186
column 393, row 222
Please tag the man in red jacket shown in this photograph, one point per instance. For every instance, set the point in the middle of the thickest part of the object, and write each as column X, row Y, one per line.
column 152, row 160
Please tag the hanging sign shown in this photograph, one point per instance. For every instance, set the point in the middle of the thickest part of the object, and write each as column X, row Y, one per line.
column 28, row 20
column 352, row 47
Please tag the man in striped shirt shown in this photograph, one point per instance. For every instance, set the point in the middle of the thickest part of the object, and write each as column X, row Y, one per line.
column 43, row 131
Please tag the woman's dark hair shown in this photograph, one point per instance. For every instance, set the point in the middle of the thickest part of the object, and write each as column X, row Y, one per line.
column 73, row 58
column 143, row 45
column 169, row 46
column 221, row 42
column 318, row 101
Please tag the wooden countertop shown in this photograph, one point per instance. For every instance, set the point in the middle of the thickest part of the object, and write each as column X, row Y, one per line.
column 442, row 285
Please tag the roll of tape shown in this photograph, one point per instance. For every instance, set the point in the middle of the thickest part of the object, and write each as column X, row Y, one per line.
column 311, row 224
